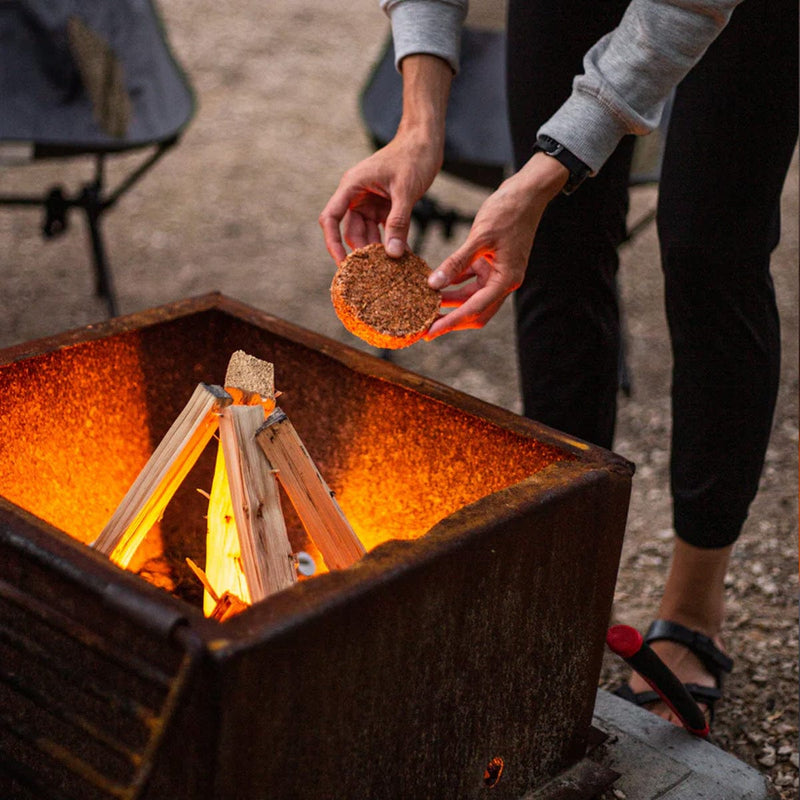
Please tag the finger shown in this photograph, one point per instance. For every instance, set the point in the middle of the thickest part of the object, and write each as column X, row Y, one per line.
column 373, row 232
column 329, row 221
column 453, row 267
column 453, row 298
column 354, row 229
column 474, row 313
column 397, row 225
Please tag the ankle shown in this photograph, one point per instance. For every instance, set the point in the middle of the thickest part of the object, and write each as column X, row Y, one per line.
column 704, row 620
column 694, row 594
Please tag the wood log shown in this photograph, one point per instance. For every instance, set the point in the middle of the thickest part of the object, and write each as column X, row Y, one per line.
column 264, row 544
column 144, row 503
column 313, row 500
column 224, row 567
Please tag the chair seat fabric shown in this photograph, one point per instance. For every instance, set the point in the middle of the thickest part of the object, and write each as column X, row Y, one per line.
column 89, row 76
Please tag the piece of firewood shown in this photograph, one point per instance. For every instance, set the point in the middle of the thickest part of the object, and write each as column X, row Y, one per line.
column 145, row 501
column 264, row 544
column 314, row 502
column 250, row 381
column 229, row 605
column 223, row 554
column 224, row 607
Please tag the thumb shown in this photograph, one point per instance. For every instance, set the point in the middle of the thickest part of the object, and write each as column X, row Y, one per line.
column 397, row 225
column 452, row 267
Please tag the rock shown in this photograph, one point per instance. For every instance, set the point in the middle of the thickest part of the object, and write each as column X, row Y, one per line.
column 769, row 757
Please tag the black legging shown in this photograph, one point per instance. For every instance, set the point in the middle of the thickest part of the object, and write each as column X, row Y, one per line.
column 732, row 132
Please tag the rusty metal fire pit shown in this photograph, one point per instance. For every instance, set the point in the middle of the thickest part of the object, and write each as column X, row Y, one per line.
column 458, row 658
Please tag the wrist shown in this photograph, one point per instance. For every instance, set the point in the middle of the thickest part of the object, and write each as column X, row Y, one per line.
column 543, row 176
column 426, row 89
column 577, row 170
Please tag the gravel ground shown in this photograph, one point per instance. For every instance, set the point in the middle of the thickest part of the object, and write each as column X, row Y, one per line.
column 234, row 209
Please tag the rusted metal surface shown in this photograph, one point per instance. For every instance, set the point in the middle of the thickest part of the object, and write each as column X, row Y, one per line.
column 90, row 669
column 472, row 631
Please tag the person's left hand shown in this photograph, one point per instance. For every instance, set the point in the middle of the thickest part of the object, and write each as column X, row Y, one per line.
column 492, row 261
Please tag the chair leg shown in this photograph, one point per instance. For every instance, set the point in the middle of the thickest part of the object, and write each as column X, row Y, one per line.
column 623, row 369
column 104, row 286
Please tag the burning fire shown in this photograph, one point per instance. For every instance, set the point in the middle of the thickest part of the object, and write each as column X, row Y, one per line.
column 248, row 553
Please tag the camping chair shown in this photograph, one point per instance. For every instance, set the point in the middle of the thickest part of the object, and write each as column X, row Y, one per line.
column 87, row 78
column 478, row 146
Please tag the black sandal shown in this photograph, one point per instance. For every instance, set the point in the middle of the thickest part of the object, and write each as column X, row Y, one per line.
column 702, row 646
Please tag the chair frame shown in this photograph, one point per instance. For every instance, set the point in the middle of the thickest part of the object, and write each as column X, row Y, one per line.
column 94, row 199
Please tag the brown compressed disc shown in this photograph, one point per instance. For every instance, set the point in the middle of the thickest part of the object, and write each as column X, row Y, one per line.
column 384, row 301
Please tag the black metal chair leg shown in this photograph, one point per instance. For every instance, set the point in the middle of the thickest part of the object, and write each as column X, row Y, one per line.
column 104, row 286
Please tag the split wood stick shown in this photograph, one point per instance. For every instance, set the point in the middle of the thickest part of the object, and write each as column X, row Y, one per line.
column 176, row 454
column 264, row 544
column 223, row 556
column 316, row 506
column 224, row 607
column 229, row 605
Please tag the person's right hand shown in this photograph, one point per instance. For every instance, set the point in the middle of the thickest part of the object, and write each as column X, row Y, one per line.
column 383, row 189
column 380, row 191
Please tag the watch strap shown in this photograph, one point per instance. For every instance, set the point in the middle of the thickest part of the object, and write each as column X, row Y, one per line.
column 578, row 171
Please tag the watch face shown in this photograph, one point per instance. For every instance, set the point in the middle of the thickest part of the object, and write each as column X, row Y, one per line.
column 548, row 145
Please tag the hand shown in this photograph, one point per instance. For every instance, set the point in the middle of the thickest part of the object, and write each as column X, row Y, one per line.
column 383, row 189
column 492, row 261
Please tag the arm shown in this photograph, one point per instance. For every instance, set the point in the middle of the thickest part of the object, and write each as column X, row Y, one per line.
column 382, row 189
column 629, row 74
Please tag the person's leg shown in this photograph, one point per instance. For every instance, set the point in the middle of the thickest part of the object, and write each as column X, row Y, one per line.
column 566, row 309
column 732, row 133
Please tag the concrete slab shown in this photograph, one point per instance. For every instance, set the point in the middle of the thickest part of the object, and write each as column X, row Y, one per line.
column 659, row 761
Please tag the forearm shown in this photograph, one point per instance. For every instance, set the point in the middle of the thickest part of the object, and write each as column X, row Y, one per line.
column 426, row 88
column 629, row 74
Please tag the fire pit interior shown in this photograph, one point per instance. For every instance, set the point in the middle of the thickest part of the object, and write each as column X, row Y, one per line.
column 460, row 654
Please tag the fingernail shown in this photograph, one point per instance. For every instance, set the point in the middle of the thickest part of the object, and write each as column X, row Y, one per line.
column 437, row 279
column 395, row 247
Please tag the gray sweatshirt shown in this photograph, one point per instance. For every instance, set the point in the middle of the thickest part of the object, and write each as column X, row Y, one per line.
column 628, row 74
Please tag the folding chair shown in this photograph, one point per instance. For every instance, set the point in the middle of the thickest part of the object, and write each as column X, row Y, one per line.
column 87, row 78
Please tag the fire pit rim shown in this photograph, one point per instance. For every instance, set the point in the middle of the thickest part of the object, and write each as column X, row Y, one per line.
column 348, row 356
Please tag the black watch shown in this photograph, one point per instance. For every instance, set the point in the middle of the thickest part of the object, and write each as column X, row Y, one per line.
column 578, row 171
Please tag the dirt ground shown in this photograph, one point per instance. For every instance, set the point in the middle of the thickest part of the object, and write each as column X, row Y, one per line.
column 233, row 208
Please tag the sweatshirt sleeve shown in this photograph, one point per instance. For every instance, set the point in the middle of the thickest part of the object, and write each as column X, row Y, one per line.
column 629, row 74
column 427, row 26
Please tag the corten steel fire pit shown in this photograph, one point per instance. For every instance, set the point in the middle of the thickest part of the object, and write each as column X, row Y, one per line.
column 469, row 638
